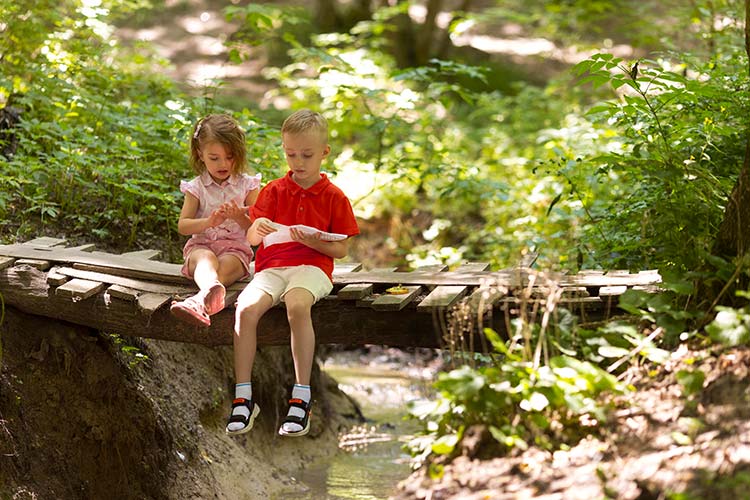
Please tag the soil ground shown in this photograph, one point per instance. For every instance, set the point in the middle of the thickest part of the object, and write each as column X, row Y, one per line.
column 90, row 416
column 661, row 444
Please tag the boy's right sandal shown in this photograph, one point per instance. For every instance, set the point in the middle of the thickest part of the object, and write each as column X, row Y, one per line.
column 303, row 422
column 248, row 420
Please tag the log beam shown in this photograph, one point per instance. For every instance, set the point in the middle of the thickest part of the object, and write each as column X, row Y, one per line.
column 336, row 321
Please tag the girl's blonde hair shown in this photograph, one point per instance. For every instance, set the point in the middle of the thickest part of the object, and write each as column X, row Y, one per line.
column 306, row 121
column 224, row 130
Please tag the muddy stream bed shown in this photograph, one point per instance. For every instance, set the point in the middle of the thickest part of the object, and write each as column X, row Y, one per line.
column 371, row 460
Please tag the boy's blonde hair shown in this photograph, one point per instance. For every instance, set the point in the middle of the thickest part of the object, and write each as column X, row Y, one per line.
column 306, row 121
column 224, row 130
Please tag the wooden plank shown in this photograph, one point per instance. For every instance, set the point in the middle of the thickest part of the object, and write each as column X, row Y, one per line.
column 27, row 290
column 132, row 271
column 442, row 296
column 56, row 279
column 355, row 291
column 612, row 291
column 147, row 254
column 432, row 268
column 473, row 266
column 123, row 293
column 149, row 302
column 88, row 247
column 389, row 302
column 346, row 267
column 6, row 262
column 79, row 289
column 474, row 278
column 46, row 241
column 42, row 265
column 144, row 286
column 98, row 261
column 231, row 298
column 575, row 291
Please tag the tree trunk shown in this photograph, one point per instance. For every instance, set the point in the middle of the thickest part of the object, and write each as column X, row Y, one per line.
column 404, row 41
column 426, row 40
column 446, row 42
column 733, row 238
column 327, row 15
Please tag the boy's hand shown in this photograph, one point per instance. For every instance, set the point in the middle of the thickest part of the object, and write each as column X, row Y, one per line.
column 308, row 239
column 263, row 227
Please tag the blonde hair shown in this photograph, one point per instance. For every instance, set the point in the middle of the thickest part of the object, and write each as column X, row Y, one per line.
column 306, row 121
column 224, row 130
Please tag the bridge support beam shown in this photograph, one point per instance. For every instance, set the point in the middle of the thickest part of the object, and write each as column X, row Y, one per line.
column 336, row 322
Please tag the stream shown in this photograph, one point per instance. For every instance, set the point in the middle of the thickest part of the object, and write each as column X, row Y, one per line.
column 371, row 461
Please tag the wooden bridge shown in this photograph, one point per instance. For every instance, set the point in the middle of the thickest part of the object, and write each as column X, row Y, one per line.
column 130, row 293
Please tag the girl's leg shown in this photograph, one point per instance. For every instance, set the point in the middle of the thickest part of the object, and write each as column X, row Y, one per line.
column 203, row 266
column 230, row 269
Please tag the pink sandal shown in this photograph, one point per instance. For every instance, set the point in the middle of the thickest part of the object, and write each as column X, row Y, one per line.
column 191, row 310
column 214, row 298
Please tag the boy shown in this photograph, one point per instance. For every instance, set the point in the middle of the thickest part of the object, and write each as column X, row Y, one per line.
column 297, row 272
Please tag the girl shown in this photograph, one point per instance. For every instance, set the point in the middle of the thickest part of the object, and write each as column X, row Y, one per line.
column 215, row 214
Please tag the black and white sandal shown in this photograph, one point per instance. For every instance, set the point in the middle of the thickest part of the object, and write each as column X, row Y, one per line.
column 304, row 422
column 246, row 421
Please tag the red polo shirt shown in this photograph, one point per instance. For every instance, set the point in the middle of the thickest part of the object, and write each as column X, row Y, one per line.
column 323, row 206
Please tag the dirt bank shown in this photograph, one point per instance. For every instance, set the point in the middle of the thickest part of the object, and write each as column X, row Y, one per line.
column 661, row 444
column 86, row 415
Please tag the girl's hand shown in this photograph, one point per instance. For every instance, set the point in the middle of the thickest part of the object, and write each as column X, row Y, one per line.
column 233, row 211
column 216, row 218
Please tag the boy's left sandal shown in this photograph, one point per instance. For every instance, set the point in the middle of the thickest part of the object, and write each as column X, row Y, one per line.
column 303, row 422
column 248, row 420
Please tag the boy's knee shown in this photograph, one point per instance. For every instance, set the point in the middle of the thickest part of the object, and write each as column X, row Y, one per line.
column 296, row 312
column 248, row 313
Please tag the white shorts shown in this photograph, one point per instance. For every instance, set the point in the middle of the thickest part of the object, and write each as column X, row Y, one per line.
column 277, row 281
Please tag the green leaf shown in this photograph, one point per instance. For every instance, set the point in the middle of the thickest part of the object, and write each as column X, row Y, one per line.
column 730, row 326
column 691, row 381
column 445, row 445
column 609, row 351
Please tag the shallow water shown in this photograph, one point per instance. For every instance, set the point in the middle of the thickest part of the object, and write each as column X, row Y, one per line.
column 371, row 461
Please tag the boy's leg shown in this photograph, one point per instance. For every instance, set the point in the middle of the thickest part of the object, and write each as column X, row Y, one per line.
column 299, row 302
column 251, row 305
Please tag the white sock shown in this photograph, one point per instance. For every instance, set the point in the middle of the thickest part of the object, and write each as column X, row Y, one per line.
column 244, row 390
column 302, row 392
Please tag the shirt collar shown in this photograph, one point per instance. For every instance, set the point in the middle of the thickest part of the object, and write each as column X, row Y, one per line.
column 316, row 188
column 207, row 180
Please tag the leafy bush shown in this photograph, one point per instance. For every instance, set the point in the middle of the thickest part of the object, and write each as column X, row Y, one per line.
column 102, row 142
column 520, row 401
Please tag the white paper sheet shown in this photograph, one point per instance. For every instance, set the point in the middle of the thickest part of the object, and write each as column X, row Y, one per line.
column 282, row 234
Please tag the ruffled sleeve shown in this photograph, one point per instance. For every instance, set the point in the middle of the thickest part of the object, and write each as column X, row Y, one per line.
column 192, row 187
column 250, row 182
